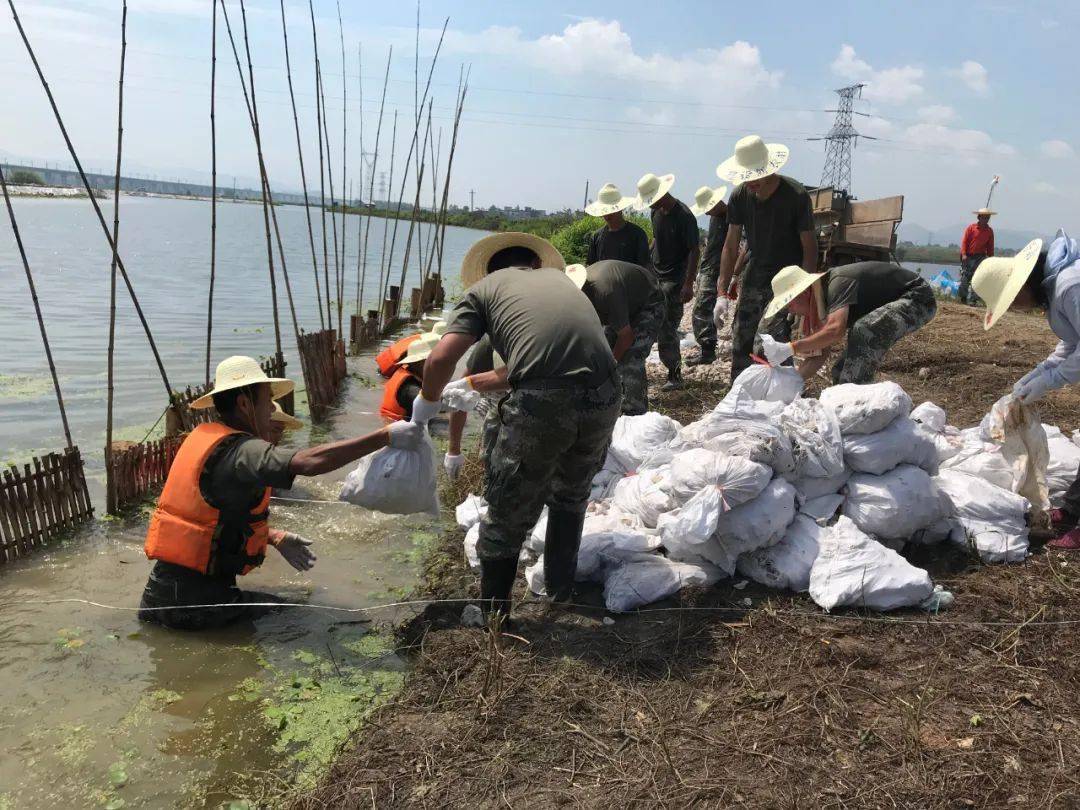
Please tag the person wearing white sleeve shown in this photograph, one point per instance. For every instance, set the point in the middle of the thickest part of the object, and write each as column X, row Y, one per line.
column 1050, row 280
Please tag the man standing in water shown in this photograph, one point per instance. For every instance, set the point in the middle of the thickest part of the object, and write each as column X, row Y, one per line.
column 676, row 245
column 775, row 211
column 556, row 422
column 618, row 239
column 211, row 523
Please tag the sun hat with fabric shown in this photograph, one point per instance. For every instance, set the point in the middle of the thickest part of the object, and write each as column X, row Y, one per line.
column 420, row 349
column 474, row 265
column 753, row 159
column 237, row 372
column 577, row 274
column 787, row 285
column 609, row 201
column 984, row 212
column 651, row 188
column 999, row 279
column 287, row 420
column 706, row 198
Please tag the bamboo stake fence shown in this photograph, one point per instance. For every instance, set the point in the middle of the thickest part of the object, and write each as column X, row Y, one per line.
column 213, row 189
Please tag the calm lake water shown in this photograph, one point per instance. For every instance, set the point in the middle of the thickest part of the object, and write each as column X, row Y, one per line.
column 100, row 711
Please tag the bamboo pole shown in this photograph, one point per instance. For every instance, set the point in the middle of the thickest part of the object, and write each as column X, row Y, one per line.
column 360, row 214
column 213, row 188
column 433, row 236
column 110, row 491
column 463, row 84
column 416, row 202
column 37, row 308
column 322, row 168
column 303, row 173
column 344, row 167
column 383, row 267
column 93, row 200
column 333, row 198
column 371, row 179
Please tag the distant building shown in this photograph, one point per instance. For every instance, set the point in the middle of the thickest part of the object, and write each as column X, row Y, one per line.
column 519, row 212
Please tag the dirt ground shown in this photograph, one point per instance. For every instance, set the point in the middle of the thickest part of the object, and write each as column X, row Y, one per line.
column 740, row 696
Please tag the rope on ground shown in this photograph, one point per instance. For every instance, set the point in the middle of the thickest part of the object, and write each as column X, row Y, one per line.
column 928, row 622
column 154, row 426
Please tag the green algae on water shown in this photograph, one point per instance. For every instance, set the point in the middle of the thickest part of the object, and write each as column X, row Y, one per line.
column 23, row 387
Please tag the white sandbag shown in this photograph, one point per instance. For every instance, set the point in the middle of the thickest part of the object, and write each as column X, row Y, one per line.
column 822, row 509
column 983, row 460
column 896, row 505
column 534, row 540
column 810, row 488
column 649, row 578
column 946, row 439
column 644, row 495
column 739, row 428
column 855, row 570
column 1017, row 429
column 738, row 404
column 534, row 576
column 815, row 438
column 930, row 416
column 770, row 383
column 1063, row 467
column 738, row 479
column 695, row 522
column 866, row 408
column 395, row 481
column 458, row 399
column 901, row 442
column 992, row 519
column 472, row 537
column 470, row 511
column 636, row 437
column 603, row 484
column 786, row 564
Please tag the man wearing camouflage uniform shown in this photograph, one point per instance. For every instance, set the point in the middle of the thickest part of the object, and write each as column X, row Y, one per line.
column 708, row 201
column 872, row 304
column 630, row 303
column 556, row 422
column 775, row 212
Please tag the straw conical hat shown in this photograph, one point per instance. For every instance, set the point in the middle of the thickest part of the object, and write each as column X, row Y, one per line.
column 609, row 201
column 651, row 188
column 753, row 159
column 998, row 280
column 787, row 285
column 290, row 422
column 984, row 212
column 706, row 198
column 420, row 349
column 239, row 371
column 577, row 274
column 474, row 265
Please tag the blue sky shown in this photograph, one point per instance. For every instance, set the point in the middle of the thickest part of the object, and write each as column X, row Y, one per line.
column 564, row 92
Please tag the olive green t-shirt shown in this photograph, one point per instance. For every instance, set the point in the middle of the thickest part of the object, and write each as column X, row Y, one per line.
column 862, row 287
column 772, row 227
column 540, row 322
column 618, row 291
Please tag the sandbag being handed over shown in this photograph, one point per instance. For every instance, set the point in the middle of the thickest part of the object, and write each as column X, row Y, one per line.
column 395, row 481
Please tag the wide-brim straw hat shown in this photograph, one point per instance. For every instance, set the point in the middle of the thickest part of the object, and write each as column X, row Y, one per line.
column 787, row 285
column 984, row 212
column 577, row 274
column 753, row 159
column 652, row 187
column 609, row 201
column 706, row 198
column 420, row 349
column 999, row 279
column 289, row 421
column 239, row 371
column 474, row 265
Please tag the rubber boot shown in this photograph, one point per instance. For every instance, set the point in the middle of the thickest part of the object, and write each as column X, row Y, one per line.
column 706, row 358
column 496, row 582
column 560, row 553
column 674, row 381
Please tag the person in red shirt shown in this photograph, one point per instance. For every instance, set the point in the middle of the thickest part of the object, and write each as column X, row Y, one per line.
column 977, row 244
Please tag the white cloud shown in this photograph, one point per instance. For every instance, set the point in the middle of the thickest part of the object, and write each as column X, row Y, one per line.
column 600, row 48
column 1043, row 187
column 896, row 85
column 1049, row 24
column 1059, row 150
column 966, row 145
column 975, row 76
column 937, row 114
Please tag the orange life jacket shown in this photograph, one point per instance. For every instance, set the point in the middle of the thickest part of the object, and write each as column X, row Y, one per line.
column 391, row 409
column 186, row 530
column 387, row 360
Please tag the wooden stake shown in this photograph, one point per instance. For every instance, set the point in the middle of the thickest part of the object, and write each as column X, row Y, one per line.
column 303, row 173
column 93, row 199
column 463, row 84
column 322, row 168
column 371, row 181
column 344, row 166
column 416, row 203
column 333, row 198
column 110, row 489
column 213, row 187
column 384, row 268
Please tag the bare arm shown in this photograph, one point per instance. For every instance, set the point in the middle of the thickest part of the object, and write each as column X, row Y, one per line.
column 624, row 339
column 327, row 457
column 441, row 363
column 691, row 274
column 809, row 367
column 490, row 380
column 809, row 251
column 457, row 428
column 728, row 257
column 828, row 335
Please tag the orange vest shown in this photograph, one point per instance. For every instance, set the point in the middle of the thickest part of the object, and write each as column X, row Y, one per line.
column 389, row 357
column 391, row 409
column 184, row 529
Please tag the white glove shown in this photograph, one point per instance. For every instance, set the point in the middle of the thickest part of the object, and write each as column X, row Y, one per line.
column 423, row 410
column 776, row 352
column 459, row 395
column 296, row 551
column 1031, row 375
column 1033, row 390
column 402, row 435
column 453, row 464
column 721, row 312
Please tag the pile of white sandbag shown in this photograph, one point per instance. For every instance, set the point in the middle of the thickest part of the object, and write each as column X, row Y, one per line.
column 806, row 494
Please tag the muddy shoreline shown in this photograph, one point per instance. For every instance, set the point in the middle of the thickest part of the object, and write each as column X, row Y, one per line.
column 738, row 695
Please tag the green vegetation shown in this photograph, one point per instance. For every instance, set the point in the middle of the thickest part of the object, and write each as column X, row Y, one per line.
column 22, row 177
column 572, row 240
column 935, row 254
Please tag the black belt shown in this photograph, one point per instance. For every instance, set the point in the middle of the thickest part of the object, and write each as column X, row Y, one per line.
column 559, row 384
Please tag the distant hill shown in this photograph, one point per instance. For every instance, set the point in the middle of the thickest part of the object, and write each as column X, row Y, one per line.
column 1003, row 237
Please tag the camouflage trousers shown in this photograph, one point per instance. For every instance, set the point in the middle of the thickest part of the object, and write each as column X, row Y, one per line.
column 668, row 337
column 550, row 445
column 704, row 304
column 754, row 296
column 870, row 337
column 635, row 386
column 171, row 591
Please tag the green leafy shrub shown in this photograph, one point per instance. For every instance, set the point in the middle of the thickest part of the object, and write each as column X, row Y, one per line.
column 572, row 241
column 22, row 177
